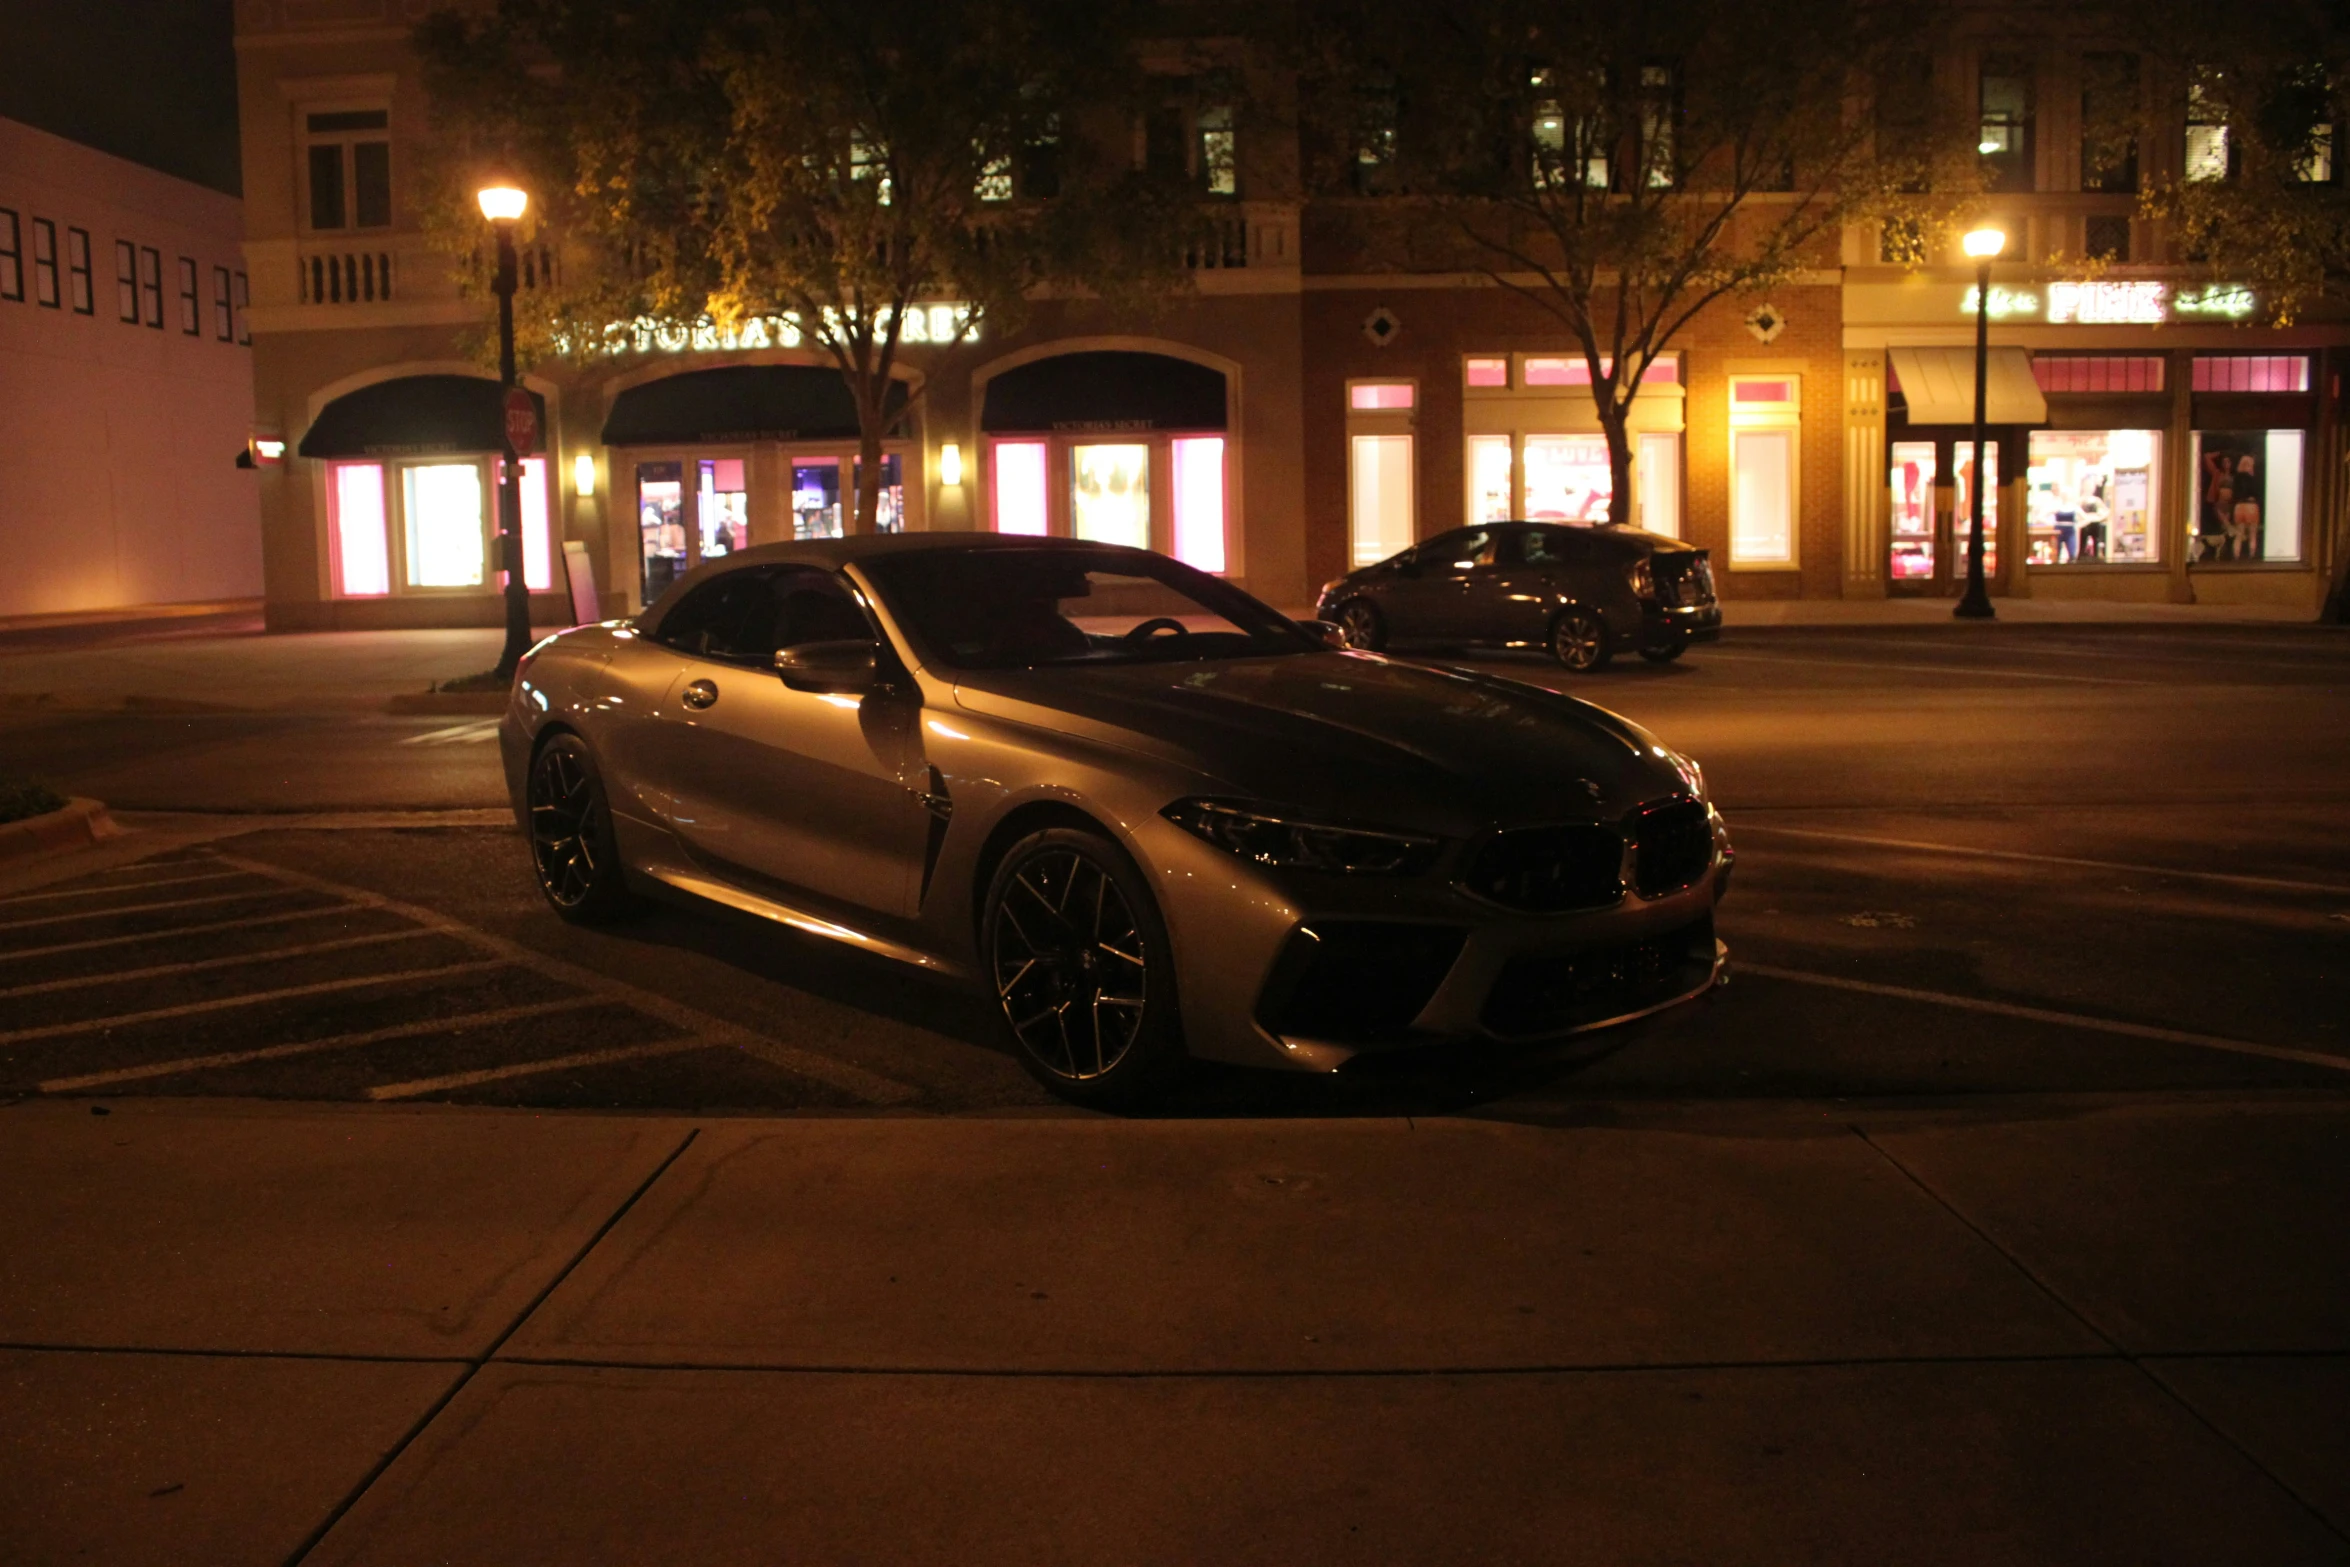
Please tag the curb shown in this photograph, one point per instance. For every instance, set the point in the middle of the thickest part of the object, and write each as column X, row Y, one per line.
column 80, row 823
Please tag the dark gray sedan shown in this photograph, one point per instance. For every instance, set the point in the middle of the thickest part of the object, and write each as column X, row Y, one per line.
column 1583, row 593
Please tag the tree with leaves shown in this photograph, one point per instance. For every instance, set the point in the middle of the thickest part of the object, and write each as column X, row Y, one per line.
column 1625, row 168
column 814, row 170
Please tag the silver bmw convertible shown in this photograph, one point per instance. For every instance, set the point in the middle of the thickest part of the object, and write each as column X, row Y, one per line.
column 1155, row 818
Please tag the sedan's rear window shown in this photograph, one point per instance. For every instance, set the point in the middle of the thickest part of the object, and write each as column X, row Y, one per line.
column 1072, row 605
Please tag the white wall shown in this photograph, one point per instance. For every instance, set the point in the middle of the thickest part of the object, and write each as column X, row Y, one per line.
column 118, row 442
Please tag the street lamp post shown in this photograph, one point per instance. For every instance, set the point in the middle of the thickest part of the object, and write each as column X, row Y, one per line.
column 502, row 204
column 1983, row 244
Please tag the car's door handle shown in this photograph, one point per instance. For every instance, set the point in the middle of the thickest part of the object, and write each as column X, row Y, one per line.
column 698, row 695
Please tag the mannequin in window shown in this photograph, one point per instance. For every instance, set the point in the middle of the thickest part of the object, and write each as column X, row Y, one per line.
column 2094, row 510
column 2244, row 518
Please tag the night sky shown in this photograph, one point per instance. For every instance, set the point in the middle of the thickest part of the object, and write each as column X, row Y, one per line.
column 154, row 81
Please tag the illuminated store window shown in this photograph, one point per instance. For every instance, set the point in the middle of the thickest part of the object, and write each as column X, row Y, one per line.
column 722, row 506
column 1380, row 396
column 1489, row 470
column 1490, row 372
column 660, row 520
column 1198, row 461
column 362, row 543
column 2094, row 497
column 1567, row 478
column 889, row 506
column 1659, row 484
column 537, row 562
column 1110, row 494
column 1379, row 497
column 2248, row 496
column 1765, row 443
column 816, row 502
column 1912, row 511
column 2251, row 373
column 441, row 507
column 2094, row 373
column 1020, row 489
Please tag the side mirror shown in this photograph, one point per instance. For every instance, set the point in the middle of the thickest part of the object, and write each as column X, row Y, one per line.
column 830, row 666
column 1324, row 632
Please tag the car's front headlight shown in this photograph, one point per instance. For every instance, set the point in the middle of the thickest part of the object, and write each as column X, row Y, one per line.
column 1271, row 839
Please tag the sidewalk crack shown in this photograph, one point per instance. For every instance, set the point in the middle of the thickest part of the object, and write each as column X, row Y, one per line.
column 473, row 1364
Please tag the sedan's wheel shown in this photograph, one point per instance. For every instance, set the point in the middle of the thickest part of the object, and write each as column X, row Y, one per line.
column 1667, row 653
column 1359, row 622
column 571, row 841
column 1081, row 968
column 1579, row 640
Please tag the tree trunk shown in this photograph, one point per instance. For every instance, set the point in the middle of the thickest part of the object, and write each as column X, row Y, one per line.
column 871, row 412
column 1619, row 464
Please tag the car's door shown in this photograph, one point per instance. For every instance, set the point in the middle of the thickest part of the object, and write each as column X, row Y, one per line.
column 1428, row 599
column 820, row 791
column 1550, row 564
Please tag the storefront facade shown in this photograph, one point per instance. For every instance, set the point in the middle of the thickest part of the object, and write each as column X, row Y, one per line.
column 1311, row 403
column 2142, row 444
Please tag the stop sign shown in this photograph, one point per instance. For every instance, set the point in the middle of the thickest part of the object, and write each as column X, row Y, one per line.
column 522, row 422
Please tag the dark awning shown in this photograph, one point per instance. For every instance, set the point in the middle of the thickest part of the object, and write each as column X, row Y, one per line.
column 414, row 416
column 738, row 403
column 1105, row 391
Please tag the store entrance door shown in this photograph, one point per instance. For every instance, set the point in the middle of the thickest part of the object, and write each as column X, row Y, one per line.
column 1928, row 527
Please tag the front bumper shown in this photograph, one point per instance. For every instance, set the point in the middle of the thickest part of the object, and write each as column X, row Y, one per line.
column 1308, row 971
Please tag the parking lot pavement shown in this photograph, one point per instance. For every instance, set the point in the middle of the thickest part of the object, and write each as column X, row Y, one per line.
column 1731, row 1334
column 210, row 972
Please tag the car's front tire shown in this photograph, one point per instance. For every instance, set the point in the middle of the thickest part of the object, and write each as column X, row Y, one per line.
column 1361, row 624
column 572, row 846
column 1083, row 974
column 1578, row 640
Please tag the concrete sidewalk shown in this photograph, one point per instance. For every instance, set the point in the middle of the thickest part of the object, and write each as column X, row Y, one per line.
column 2023, row 1333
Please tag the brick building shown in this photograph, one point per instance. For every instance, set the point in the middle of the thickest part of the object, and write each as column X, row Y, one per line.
column 1315, row 402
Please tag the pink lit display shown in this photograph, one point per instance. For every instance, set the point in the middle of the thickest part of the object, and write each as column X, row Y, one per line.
column 1489, row 372
column 363, row 566
column 2251, row 373
column 1019, row 487
column 1380, row 396
column 1199, row 499
column 536, row 571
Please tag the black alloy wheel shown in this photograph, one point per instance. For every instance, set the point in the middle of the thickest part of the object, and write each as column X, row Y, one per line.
column 1578, row 639
column 571, row 841
column 1667, row 652
column 1359, row 622
column 1082, row 971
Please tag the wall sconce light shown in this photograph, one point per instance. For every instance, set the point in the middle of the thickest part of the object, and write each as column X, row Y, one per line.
column 950, row 464
column 583, row 475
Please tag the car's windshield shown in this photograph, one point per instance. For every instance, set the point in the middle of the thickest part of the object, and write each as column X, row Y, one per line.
column 1070, row 605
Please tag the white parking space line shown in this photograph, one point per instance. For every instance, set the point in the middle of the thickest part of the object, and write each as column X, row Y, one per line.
column 304, row 1047
column 160, row 970
column 141, row 908
column 494, row 1074
column 2102, row 1025
column 117, row 889
column 2223, row 878
column 251, row 998
column 174, row 932
column 871, row 1087
column 1971, row 671
column 2168, row 652
column 458, row 734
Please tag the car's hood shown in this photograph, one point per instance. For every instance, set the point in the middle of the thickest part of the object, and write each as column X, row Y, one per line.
column 1352, row 735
